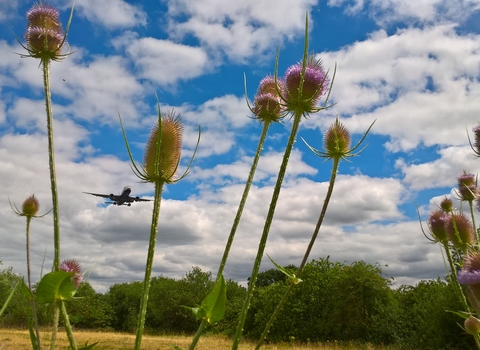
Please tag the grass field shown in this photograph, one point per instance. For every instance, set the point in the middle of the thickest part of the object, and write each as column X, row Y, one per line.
column 11, row 339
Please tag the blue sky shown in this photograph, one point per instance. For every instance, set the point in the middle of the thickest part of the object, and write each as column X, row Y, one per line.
column 413, row 66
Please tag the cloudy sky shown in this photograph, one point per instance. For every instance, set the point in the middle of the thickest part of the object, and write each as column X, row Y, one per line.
column 413, row 66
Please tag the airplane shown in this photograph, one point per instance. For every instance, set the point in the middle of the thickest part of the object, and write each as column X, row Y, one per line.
column 122, row 199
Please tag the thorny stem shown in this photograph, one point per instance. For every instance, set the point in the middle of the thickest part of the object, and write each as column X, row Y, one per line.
column 297, row 117
column 68, row 326
column 149, row 264
column 236, row 221
column 51, row 162
column 336, row 162
column 53, row 181
column 34, row 308
column 56, row 314
column 470, row 204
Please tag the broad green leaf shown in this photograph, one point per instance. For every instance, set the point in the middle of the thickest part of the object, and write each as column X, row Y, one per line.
column 54, row 286
column 213, row 306
column 8, row 299
column 293, row 278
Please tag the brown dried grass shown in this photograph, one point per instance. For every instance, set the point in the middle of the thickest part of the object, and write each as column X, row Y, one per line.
column 13, row 339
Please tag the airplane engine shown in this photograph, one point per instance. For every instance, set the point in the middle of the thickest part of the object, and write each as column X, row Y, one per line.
column 112, row 196
column 136, row 199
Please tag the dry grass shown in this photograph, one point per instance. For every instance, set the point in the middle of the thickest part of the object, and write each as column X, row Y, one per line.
column 11, row 339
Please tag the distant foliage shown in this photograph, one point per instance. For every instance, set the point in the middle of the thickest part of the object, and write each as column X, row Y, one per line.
column 335, row 301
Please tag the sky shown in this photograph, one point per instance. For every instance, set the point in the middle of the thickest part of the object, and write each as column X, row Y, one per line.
column 411, row 66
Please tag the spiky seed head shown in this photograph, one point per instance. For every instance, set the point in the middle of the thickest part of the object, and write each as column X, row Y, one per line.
column 472, row 325
column 447, row 205
column 44, row 34
column 466, row 233
column 315, row 85
column 436, row 223
column 30, row 206
column 73, row 266
column 162, row 166
column 467, row 187
column 336, row 140
column 267, row 104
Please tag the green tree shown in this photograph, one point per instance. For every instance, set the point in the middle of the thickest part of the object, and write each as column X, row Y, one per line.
column 124, row 299
column 89, row 309
column 424, row 322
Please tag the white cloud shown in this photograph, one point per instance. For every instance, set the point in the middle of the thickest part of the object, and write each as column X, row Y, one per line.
column 441, row 172
column 164, row 62
column 385, row 12
column 427, row 79
column 239, row 29
column 112, row 14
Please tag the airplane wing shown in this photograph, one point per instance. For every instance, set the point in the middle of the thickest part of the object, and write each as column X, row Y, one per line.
column 142, row 200
column 99, row 195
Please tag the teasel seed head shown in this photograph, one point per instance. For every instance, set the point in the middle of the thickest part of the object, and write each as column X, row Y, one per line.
column 467, row 187
column 447, row 205
column 30, row 206
column 466, row 234
column 304, row 88
column 163, row 149
column 268, row 104
column 436, row 223
column 336, row 140
column 73, row 266
column 472, row 325
column 44, row 34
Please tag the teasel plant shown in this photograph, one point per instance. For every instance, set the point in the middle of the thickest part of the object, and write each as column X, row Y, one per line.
column 458, row 236
column 30, row 208
column 45, row 40
column 304, row 85
column 336, row 142
column 267, row 109
column 161, row 160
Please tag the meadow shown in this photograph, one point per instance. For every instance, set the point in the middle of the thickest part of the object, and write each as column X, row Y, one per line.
column 15, row 339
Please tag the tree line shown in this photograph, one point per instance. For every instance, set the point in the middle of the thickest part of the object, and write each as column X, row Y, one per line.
column 335, row 301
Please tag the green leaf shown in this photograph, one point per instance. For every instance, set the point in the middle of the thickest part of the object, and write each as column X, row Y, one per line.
column 462, row 314
column 8, row 299
column 54, row 286
column 213, row 306
column 88, row 347
column 293, row 278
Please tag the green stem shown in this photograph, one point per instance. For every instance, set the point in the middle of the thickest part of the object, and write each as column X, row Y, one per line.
column 68, row 327
column 51, row 162
column 336, row 162
column 53, row 181
column 297, row 117
column 236, row 221
column 56, row 316
column 149, row 264
column 472, row 213
column 34, row 308
column 457, row 285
